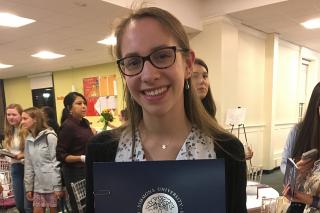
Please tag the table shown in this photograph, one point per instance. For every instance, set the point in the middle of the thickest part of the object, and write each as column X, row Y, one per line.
column 254, row 202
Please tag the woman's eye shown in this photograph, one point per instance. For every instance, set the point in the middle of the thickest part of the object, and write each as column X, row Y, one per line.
column 162, row 56
column 132, row 62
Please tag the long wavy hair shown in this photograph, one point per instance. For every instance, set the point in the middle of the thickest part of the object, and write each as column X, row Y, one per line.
column 207, row 101
column 40, row 124
column 194, row 109
column 9, row 129
column 308, row 130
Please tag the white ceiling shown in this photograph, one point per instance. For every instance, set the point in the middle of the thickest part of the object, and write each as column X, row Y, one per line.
column 72, row 27
column 284, row 18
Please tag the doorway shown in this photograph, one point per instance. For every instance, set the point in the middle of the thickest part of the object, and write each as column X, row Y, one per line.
column 43, row 97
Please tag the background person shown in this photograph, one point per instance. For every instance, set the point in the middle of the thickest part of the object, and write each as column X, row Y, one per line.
column 201, row 83
column 42, row 171
column 156, row 62
column 73, row 138
column 14, row 142
column 123, row 116
column 304, row 137
column 50, row 118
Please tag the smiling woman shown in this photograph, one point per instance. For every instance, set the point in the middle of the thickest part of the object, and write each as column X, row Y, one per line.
column 156, row 62
column 14, row 143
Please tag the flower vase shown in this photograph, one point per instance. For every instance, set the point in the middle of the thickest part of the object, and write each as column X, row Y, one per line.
column 105, row 126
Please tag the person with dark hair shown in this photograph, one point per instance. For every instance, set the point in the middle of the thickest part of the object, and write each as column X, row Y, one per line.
column 202, row 86
column 50, row 117
column 42, row 176
column 155, row 60
column 14, row 142
column 302, row 138
column 73, row 137
column 123, row 117
column 201, row 83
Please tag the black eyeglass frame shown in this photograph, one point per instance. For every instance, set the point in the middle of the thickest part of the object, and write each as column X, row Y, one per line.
column 148, row 58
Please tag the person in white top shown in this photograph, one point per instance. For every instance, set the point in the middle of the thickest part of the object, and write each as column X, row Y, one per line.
column 14, row 141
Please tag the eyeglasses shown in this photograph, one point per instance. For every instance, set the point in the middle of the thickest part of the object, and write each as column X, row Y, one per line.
column 198, row 75
column 160, row 58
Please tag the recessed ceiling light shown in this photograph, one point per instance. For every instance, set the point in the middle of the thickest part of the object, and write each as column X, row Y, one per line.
column 312, row 23
column 47, row 55
column 10, row 20
column 111, row 40
column 3, row 66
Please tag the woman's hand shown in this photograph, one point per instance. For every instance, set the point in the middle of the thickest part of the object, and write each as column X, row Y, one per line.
column 298, row 196
column 248, row 153
column 58, row 195
column 303, row 198
column 19, row 156
column 305, row 166
column 30, row 196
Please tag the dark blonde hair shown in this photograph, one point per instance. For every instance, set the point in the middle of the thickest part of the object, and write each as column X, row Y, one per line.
column 36, row 114
column 194, row 110
column 9, row 129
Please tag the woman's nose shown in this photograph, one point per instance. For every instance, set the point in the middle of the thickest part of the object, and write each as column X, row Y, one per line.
column 149, row 72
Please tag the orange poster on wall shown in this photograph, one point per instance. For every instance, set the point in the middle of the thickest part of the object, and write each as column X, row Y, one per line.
column 107, row 85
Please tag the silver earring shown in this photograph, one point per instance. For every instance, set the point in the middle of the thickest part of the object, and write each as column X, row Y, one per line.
column 186, row 85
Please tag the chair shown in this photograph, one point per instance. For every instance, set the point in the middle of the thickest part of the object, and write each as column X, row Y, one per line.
column 79, row 191
column 6, row 196
column 4, row 165
column 254, row 173
column 268, row 205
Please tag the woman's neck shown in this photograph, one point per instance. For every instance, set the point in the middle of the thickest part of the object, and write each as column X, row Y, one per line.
column 162, row 137
column 79, row 118
column 166, row 125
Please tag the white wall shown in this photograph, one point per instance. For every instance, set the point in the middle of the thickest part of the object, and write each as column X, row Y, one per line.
column 260, row 72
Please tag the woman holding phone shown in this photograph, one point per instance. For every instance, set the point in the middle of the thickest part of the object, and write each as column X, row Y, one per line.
column 302, row 138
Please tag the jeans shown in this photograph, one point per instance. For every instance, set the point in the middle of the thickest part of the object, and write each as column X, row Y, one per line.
column 17, row 173
column 72, row 174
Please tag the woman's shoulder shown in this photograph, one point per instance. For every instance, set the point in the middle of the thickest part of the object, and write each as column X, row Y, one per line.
column 229, row 143
column 105, row 137
column 103, row 146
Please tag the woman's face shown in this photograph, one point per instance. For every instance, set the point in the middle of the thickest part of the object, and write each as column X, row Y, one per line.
column 200, row 80
column 79, row 108
column 157, row 91
column 13, row 117
column 27, row 122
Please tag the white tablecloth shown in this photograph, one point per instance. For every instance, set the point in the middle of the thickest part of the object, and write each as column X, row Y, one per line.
column 266, row 192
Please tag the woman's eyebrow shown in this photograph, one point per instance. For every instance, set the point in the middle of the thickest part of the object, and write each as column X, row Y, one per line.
column 151, row 50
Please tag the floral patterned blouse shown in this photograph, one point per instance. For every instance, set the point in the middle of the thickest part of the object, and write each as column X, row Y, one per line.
column 196, row 146
column 312, row 186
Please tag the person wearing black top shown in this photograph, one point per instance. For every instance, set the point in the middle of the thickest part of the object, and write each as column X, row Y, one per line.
column 74, row 135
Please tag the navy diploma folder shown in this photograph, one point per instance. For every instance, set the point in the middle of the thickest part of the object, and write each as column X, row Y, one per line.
column 160, row 186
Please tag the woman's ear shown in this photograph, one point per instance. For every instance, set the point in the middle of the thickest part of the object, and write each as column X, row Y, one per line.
column 189, row 64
